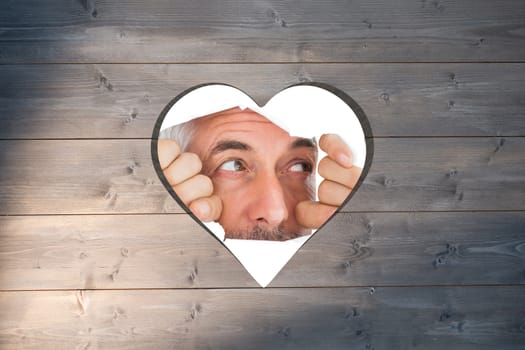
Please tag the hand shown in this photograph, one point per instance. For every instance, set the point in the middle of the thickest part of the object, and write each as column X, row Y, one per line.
column 182, row 170
column 340, row 177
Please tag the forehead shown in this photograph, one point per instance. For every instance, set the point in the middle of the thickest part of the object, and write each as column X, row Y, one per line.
column 236, row 125
column 235, row 120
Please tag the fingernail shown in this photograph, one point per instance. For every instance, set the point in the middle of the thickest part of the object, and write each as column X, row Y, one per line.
column 344, row 160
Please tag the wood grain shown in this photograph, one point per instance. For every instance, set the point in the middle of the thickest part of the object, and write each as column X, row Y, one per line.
column 172, row 251
column 124, row 101
column 412, row 249
column 117, row 176
column 428, row 254
column 363, row 318
column 113, row 251
column 262, row 31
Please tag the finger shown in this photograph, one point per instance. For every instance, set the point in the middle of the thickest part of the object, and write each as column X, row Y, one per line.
column 331, row 170
column 207, row 209
column 313, row 214
column 168, row 151
column 332, row 193
column 196, row 187
column 182, row 168
column 336, row 149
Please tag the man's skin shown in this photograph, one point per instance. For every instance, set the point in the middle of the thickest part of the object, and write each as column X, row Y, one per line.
column 245, row 172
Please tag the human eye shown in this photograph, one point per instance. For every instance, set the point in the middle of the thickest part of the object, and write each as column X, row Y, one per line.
column 300, row 167
column 233, row 165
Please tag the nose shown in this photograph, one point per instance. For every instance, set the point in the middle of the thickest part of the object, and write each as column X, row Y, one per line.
column 268, row 206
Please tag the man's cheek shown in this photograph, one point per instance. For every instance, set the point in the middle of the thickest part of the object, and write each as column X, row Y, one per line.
column 232, row 192
column 226, row 184
column 228, row 194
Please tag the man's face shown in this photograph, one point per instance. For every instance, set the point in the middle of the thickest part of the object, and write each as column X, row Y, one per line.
column 258, row 171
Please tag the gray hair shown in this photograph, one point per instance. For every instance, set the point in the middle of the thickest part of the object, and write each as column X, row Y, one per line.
column 181, row 133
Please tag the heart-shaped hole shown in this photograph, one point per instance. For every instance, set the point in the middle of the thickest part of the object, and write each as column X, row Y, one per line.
column 261, row 179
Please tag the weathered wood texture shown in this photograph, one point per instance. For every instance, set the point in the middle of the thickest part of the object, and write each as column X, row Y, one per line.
column 361, row 318
column 428, row 254
column 262, row 31
column 124, row 101
column 172, row 251
column 117, row 176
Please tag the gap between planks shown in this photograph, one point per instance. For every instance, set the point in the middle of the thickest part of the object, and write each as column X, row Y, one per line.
column 14, row 63
column 372, row 287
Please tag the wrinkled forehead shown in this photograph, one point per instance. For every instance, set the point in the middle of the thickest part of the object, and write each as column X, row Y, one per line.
column 250, row 128
column 235, row 123
column 232, row 117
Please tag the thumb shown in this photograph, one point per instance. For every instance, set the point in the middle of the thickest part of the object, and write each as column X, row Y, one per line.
column 313, row 215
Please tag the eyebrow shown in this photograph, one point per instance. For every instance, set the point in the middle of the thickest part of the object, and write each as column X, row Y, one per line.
column 225, row 145
column 303, row 142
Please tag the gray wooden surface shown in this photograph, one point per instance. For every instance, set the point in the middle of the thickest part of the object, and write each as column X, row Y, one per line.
column 407, row 174
column 262, row 31
column 124, row 100
column 274, row 318
column 145, row 251
column 428, row 254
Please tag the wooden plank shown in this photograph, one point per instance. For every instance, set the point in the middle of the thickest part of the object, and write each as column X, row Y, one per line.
column 363, row 318
column 412, row 249
column 117, row 176
column 444, row 174
column 269, row 31
column 172, row 251
column 124, row 101
column 113, row 251
column 80, row 177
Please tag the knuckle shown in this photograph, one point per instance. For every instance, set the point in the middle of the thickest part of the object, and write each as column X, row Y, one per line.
column 181, row 192
column 168, row 151
column 205, row 184
column 174, row 147
column 192, row 159
column 323, row 192
column 171, row 175
column 323, row 163
column 324, row 167
column 323, row 140
column 324, row 186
